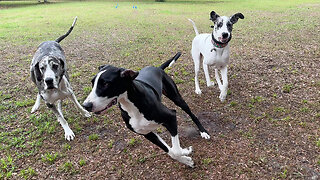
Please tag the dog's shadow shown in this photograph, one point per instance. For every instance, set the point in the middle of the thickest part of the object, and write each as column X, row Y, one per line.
column 211, row 121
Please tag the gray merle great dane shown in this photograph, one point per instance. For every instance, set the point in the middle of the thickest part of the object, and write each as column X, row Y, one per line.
column 139, row 97
column 49, row 72
column 214, row 50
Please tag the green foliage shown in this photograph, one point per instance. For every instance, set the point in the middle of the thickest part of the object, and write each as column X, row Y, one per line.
column 207, row 161
column 318, row 142
column 132, row 142
column 82, row 162
column 28, row 173
column 50, row 157
column 7, row 167
column 24, row 103
column 110, row 144
column 93, row 137
column 233, row 103
column 287, row 88
column 67, row 167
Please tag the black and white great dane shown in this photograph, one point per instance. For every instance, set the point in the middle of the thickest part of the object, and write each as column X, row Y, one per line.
column 49, row 72
column 215, row 51
column 139, row 97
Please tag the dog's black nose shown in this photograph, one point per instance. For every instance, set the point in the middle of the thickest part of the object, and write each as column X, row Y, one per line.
column 224, row 35
column 49, row 81
column 88, row 106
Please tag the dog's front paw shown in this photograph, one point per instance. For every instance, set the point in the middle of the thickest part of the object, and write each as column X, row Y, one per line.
column 198, row 91
column 223, row 94
column 186, row 151
column 211, row 83
column 205, row 135
column 222, row 97
column 186, row 160
column 86, row 114
column 69, row 135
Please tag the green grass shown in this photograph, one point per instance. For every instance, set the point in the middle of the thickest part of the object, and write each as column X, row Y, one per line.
column 122, row 36
column 27, row 173
column 93, row 137
column 82, row 162
column 7, row 167
column 51, row 24
column 50, row 157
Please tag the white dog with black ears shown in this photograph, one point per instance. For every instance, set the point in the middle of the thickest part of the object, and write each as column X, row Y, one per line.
column 214, row 50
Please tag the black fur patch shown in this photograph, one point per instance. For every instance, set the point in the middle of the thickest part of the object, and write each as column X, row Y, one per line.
column 213, row 16
column 235, row 18
column 110, row 84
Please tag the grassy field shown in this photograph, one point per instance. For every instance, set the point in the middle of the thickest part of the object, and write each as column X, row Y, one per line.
column 267, row 129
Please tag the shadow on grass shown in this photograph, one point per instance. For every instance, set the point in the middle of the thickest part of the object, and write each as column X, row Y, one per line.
column 20, row 4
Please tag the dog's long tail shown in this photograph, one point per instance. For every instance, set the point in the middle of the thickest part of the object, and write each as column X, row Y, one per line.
column 194, row 27
column 171, row 61
column 65, row 35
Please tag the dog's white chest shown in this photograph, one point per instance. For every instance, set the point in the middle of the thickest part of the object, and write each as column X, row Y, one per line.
column 52, row 96
column 137, row 120
column 218, row 58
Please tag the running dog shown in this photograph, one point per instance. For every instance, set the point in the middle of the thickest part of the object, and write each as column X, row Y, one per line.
column 214, row 50
column 49, row 72
column 139, row 97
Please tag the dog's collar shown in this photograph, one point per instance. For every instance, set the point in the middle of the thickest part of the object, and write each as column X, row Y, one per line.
column 218, row 44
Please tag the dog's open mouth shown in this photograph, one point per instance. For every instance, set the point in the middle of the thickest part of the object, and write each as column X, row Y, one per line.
column 113, row 102
column 223, row 40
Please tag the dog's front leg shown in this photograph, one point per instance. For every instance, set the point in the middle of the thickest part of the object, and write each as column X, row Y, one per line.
column 75, row 101
column 206, row 73
column 224, row 87
column 36, row 104
column 68, row 134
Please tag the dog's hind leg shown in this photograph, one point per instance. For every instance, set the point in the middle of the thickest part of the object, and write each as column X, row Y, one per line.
column 36, row 104
column 157, row 140
column 196, row 56
column 171, row 91
column 68, row 134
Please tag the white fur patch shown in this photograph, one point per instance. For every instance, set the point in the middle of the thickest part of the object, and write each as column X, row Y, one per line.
column 137, row 120
column 99, row 103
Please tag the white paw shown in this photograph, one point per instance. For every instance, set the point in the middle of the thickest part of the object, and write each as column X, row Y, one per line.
column 223, row 94
column 86, row 114
column 186, row 151
column 222, row 97
column 205, row 135
column 69, row 135
column 211, row 83
column 186, row 160
column 35, row 108
column 198, row 91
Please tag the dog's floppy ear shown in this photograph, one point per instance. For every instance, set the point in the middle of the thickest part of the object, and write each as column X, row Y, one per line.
column 235, row 18
column 128, row 73
column 62, row 66
column 37, row 72
column 213, row 16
